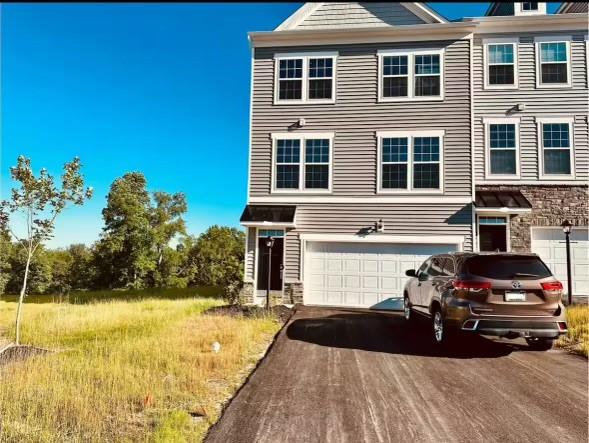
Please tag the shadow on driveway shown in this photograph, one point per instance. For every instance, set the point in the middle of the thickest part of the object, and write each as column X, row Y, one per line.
column 364, row 331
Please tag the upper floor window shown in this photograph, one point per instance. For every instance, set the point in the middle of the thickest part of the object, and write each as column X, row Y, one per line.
column 305, row 78
column 411, row 74
column 553, row 62
column 302, row 162
column 556, row 148
column 410, row 161
column 529, row 6
column 502, row 142
column 501, row 63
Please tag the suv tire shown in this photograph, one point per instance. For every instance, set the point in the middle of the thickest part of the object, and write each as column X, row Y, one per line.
column 540, row 344
column 408, row 314
column 440, row 332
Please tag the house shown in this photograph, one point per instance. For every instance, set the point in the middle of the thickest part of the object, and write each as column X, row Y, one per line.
column 530, row 133
column 368, row 146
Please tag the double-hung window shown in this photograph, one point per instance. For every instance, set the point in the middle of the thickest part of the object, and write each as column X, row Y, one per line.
column 553, row 68
column 529, row 6
column 501, row 63
column 411, row 74
column 502, row 141
column 410, row 161
column 305, row 78
column 302, row 162
column 556, row 148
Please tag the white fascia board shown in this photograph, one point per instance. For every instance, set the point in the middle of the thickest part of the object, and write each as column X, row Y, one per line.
column 520, row 24
column 266, row 224
column 501, row 211
column 424, row 12
column 298, row 16
column 408, row 198
column 384, row 238
column 402, row 33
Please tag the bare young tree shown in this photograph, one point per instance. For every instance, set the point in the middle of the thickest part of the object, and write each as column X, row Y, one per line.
column 39, row 200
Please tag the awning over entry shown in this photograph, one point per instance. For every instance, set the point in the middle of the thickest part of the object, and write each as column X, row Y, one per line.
column 512, row 202
column 269, row 215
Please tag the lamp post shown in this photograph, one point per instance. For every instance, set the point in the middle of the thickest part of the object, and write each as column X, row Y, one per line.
column 567, row 228
column 269, row 245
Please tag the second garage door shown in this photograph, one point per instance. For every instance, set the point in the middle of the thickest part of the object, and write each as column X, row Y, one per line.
column 362, row 274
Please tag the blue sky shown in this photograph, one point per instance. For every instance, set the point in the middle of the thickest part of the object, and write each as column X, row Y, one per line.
column 157, row 88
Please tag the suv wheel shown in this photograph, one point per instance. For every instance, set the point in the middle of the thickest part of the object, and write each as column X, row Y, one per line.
column 540, row 344
column 407, row 310
column 438, row 327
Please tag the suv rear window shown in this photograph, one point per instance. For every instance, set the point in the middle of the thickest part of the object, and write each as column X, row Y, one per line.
column 506, row 267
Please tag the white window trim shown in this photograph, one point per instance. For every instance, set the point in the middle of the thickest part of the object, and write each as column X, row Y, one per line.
column 410, row 135
column 501, row 41
column 302, row 137
column 553, row 39
column 410, row 53
column 519, row 10
column 305, row 56
column 567, row 120
column 501, row 121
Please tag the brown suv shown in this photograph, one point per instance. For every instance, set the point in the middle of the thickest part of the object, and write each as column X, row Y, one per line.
column 501, row 294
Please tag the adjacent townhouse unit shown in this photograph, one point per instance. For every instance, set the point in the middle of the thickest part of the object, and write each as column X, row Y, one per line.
column 382, row 133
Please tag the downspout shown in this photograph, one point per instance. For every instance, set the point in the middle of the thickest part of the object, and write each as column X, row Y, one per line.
column 472, row 148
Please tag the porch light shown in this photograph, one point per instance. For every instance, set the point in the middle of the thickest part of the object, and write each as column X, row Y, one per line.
column 379, row 225
column 269, row 242
column 567, row 227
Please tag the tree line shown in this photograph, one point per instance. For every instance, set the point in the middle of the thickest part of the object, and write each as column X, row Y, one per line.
column 144, row 244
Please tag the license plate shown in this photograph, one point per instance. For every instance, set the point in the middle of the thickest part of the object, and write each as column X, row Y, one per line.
column 515, row 296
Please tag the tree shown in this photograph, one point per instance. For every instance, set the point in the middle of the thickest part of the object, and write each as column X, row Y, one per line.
column 166, row 223
column 124, row 254
column 40, row 201
column 218, row 258
column 5, row 254
column 82, row 272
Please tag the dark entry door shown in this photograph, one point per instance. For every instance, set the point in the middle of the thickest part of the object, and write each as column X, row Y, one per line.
column 276, row 270
column 493, row 238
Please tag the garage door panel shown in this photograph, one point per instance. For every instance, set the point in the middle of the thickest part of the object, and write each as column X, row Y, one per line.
column 549, row 244
column 351, row 274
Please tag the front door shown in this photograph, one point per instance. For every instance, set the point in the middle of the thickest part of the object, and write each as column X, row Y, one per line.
column 493, row 234
column 270, row 266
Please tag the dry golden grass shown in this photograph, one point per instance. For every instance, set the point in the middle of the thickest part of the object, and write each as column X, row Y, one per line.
column 577, row 339
column 126, row 371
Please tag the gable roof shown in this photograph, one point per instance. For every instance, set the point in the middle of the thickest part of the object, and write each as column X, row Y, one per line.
column 572, row 7
column 373, row 14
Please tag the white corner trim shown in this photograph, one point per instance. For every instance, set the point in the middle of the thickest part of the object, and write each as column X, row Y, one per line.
column 298, row 16
column 385, row 238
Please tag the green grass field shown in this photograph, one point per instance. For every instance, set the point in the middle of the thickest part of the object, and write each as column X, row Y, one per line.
column 126, row 371
column 577, row 339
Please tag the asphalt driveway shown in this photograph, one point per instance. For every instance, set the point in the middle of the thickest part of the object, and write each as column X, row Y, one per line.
column 362, row 376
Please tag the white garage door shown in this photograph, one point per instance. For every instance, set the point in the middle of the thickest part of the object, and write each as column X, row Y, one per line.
column 362, row 275
column 549, row 244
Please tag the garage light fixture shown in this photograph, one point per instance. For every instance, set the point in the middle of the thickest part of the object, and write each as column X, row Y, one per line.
column 379, row 226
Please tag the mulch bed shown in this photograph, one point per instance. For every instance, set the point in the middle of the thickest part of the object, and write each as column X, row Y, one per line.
column 282, row 312
column 14, row 353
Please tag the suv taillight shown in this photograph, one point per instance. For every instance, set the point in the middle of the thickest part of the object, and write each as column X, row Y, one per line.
column 474, row 285
column 553, row 286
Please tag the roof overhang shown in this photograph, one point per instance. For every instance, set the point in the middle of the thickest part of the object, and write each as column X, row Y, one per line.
column 269, row 216
column 550, row 22
column 423, row 32
column 501, row 203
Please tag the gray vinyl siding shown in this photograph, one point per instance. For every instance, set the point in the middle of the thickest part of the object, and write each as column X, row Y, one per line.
column 399, row 219
column 350, row 15
column 558, row 102
column 250, row 253
column 357, row 115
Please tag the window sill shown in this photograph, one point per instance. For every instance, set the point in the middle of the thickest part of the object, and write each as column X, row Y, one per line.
column 502, row 177
column 301, row 192
column 304, row 102
column 555, row 86
column 500, row 87
column 410, row 192
column 557, row 177
column 410, row 99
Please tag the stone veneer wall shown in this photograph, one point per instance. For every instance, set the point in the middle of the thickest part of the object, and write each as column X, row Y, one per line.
column 293, row 293
column 551, row 205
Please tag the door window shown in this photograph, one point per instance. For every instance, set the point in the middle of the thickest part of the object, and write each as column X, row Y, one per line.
column 493, row 234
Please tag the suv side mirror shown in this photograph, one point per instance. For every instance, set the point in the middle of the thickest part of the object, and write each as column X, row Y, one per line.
column 410, row 273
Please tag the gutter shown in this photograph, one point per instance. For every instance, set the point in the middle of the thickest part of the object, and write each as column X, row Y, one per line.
column 435, row 31
column 550, row 22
